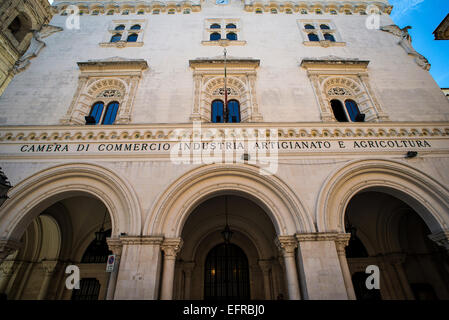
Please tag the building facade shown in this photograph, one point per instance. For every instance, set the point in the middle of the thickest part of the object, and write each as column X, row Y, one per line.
column 225, row 149
column 22, row 22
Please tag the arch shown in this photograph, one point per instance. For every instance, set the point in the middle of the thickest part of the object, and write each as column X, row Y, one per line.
column 171, row 210
column 215, row 36
column 96, row 111
column 132, row 37
column 116, row 37
column 33, row 195
column 313, row 37
column 422, row 193
column 231, row 36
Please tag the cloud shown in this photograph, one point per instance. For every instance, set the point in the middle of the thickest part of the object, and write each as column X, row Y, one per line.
column 402, row 7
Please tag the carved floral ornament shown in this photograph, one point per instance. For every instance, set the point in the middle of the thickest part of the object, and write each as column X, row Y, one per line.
column 120, row 133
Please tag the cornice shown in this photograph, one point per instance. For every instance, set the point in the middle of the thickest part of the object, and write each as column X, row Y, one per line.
column 115, row 63
column 171, row 132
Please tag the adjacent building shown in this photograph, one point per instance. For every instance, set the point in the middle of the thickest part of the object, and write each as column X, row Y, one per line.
column 225, row 149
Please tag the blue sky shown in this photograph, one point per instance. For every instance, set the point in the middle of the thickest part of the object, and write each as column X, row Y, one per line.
column 424, row 16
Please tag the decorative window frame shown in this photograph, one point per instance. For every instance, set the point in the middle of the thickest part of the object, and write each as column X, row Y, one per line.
column 351, row 75
column 320, row 33
column 223, row 31
column 208, row 75
column 123, row 43
column 97, row 76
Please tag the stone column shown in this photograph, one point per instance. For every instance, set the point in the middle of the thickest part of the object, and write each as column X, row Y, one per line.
column 287, row 245
column 49, row 268
column 320, row 271
column 188, row 268
column 7, row 269
column 254, row 114
column 341, row 242
column 115, row 245
column 170, row 247
column 396, row 260
column 196, row 112
column 265, row 265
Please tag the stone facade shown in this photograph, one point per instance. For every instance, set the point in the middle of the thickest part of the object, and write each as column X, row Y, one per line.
column 311, row 201
column 21, row 22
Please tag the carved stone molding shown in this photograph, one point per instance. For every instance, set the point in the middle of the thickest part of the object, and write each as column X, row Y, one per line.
column 265, row 265
column 115, row 245
column 441, row 238
column 7, row 247
column 141, row 240
column 287, row 245
column 171, row 247
column 8, row 267
column 49, row 266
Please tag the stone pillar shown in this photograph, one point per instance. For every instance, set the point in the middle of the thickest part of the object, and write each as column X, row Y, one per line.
column 7, row 269
column 341, row 242
column 320, row 272
column 188, row 268
column 265, row 265
column 115, row 245
column 170, row 247
column 396, row 261
column 138, row 275
column 287, row 245
column 49, row 268
column 254, row 114
column 196, row 112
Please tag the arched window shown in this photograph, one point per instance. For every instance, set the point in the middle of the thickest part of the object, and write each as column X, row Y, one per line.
column 215, row 36
column 226, row 274
column 231, row 36
column 136, row 27
column 95, row 12
column 313, row 37
column 233, row 111
column 231, row 26
column 274, row 11
column 333, row 12
column 348, row 12
column 132, row 37
column 259, row 11
column 116, row 37
column 125, row 12
column 120, row 27
column 110, row 12
column 97, row 111
column 89, row 290
column 171, row 11
column 339, row 112
column 140, row 12
column 318, row 11
column 215, row 26
column 324, row 27
column 186, row 11
column 303, row 11
column 156, row 11
column 111, row 113
column 328, row 36
column 217, row 111
column 353, row 109
column 288, row 11
column 309, row 27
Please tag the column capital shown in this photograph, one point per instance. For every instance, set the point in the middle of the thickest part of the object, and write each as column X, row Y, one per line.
column 441, row 238
column 287, row 244
column 115, row 245
column 49, row 266
column 171, row 247
column 8, row 267
column 7, row 247
column 320, row 236
column 265, row 265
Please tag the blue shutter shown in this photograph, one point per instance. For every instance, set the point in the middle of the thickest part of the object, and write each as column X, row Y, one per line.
column 217, row 111
column 353, row 109
column 96, row 111
column 111, row 113
column 233, row 111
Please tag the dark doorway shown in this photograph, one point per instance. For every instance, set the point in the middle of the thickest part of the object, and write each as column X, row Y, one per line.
column 226, row 274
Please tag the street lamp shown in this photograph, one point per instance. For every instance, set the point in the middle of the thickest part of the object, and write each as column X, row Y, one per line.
column 226, row 233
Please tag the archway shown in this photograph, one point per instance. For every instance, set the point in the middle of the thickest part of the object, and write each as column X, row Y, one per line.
column 249, row 266
column 388, row 233
column 68, row 205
